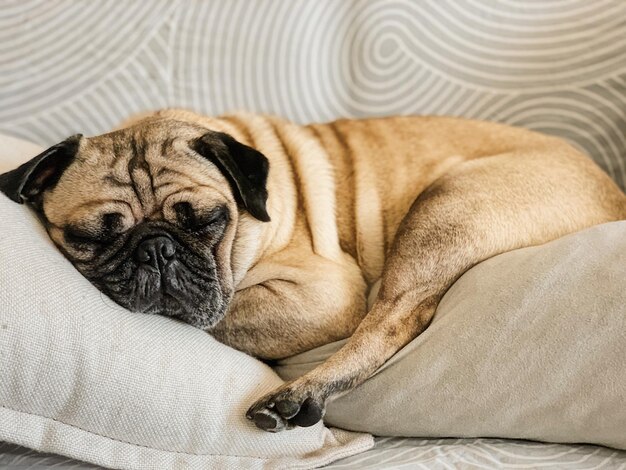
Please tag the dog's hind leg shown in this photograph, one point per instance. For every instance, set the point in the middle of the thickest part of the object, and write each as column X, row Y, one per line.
column 483, row 208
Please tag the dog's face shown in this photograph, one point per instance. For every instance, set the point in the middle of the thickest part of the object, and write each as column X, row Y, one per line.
column 148, row 214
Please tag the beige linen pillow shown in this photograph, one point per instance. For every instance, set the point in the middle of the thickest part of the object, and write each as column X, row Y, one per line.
column 530, row 344
column 82, row 377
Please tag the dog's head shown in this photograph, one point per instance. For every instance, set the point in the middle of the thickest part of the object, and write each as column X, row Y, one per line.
column 149, row 213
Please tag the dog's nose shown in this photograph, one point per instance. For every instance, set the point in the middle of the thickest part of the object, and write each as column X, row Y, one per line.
column 156, row 251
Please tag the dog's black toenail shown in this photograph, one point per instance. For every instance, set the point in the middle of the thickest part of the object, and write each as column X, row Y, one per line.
column 287, row 409
column 265, row 421
column 310, row 413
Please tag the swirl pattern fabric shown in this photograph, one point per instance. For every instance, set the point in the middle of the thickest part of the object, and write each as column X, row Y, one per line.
column 403, row 452
column 557, row 66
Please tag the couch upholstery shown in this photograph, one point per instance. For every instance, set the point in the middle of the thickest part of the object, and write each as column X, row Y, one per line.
column 554, row 66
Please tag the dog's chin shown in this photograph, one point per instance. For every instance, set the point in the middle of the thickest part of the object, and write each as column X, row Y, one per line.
column 204, row 319
column 203, row 315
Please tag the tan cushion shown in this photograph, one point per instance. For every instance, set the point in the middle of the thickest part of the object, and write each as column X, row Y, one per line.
column 529, row 344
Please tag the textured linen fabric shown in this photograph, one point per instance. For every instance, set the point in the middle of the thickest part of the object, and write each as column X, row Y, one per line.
column 82, row 377
column 557, row 66
column 530, row 344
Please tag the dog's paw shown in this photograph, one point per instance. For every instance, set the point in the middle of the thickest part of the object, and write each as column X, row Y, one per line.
column 286, row 408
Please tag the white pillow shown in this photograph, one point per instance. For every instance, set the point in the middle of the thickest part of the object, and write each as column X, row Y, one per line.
column 82, row 377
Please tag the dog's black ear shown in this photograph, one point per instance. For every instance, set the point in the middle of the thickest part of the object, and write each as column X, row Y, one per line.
column 39, row 173
column 245, row 168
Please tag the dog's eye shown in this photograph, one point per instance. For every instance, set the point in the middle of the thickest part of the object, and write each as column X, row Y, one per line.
column 217, row 215
column 108, row 230
column 111, row 223
column 195, row 220
column 80, row 236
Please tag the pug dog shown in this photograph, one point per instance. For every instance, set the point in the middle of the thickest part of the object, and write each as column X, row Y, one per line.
column 271, row 236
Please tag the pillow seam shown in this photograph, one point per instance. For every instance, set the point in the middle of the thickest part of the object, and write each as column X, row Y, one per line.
column 140, row 445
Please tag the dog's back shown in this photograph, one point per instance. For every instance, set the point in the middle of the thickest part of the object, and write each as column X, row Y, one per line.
column 383, row 164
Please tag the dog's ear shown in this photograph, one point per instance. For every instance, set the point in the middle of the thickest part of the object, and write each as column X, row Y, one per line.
column 40, row 173
column 245, row 168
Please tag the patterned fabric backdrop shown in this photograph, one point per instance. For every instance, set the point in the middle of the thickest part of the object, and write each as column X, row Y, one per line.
column 558, row 66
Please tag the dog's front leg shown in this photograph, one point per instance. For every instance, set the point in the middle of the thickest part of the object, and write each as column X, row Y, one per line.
column 382, row 333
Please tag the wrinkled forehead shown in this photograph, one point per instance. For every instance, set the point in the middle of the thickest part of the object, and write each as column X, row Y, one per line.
column 139, row 172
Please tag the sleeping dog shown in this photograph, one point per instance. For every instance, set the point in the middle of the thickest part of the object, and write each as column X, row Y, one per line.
column 271, row 235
